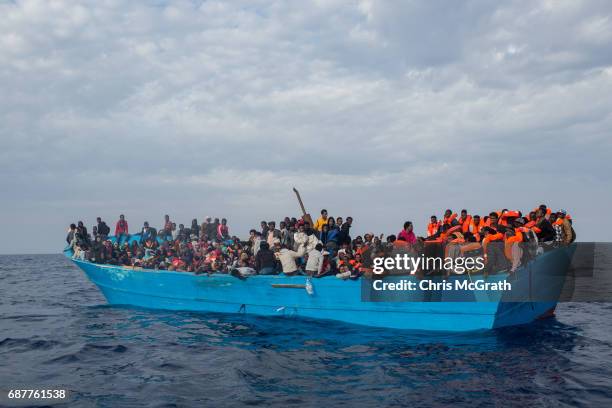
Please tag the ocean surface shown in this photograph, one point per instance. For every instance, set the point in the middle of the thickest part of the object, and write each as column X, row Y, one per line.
column 57, row 333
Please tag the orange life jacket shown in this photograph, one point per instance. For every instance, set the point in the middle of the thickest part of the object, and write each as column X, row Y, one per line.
column 503, row 219
column 356, row 265
column 492, row 237
column 432, row 228
column 474, row 229
column 449, row 220
column 465, row 224
column 508, row 242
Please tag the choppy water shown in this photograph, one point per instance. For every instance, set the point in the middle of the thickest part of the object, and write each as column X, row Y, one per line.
column 55, row 332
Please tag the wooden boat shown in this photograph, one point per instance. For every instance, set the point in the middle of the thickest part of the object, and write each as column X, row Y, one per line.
column 536, row 289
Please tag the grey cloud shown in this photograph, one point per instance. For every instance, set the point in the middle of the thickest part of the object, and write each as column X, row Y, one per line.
column 373, row 107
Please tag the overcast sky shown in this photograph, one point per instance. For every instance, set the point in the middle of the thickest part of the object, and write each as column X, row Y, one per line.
column 386, row 111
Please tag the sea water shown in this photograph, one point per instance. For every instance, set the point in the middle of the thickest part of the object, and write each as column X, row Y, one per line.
column 57, row 332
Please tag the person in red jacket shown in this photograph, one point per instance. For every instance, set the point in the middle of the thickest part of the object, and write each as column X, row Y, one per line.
column 121, row 229
column 407, row 234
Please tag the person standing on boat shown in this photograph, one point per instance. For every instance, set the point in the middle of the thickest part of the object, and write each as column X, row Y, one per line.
column 273, row 233
column 103, row 229
column 71, row 233
column 255, row 241
column 286, row 236
column 204, row 229
column 299, row 237
column 264, row 229
column 566, row 227
column 211, row 229
column 222, row 230
column 333, row 232
column 344, row 236
column 311, row 238
column 318, row 225
column 195, row 228
column 81, row 242
column 215, row 229
column 121, row 229
column 166, row 230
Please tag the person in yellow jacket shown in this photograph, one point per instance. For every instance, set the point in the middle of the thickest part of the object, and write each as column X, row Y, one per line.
column 321, row 221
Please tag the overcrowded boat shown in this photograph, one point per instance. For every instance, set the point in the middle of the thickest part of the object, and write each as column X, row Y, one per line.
column 317, row 270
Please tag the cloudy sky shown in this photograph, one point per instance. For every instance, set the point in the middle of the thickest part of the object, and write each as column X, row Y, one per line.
column 386, row 111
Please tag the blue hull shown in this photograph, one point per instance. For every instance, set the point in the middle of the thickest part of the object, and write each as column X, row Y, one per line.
column 335, row 299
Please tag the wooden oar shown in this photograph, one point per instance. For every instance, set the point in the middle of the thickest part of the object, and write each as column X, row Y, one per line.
column 305, row 216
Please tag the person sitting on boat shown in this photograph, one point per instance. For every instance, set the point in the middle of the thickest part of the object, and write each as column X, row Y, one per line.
column 433, row 226
column 493, row 250
column 121, row 229
column 265, row 261
column 314, row 265
column 464, row 220
column 512, row 248
column 407, row 234
column 287, row 257
column 544, row 231
column 450, row 218
column 146, row 233
column 556, row 224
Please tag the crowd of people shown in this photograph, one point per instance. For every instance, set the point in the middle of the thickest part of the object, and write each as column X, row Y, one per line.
column 506, row 239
